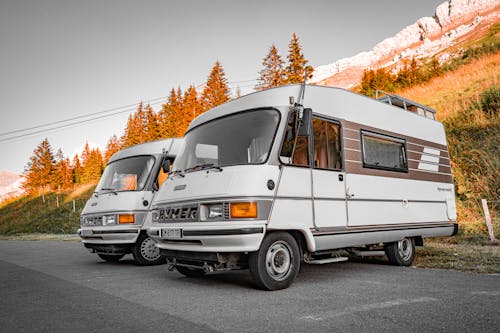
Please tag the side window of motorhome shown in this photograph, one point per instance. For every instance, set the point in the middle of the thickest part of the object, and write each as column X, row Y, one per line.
column 383, row 152
column 326, row 144
column 299, row 155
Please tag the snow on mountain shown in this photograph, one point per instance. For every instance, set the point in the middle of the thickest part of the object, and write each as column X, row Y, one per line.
column 10, row 185
column 451, row 23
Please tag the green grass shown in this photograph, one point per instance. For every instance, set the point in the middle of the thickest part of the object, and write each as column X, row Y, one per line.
column 29, row 215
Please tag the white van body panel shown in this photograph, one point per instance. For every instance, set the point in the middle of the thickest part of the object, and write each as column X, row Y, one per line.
column 125, row 202
column 368, row 206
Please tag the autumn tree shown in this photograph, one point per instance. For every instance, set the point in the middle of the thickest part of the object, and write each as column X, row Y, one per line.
column 135, row 131
column 297, row 68
column 170, row 115
column 112, row 147
column 216, row 90
column 76, row 170
column 409, row 75
column 373, row 80
column 39, row 171
column 92, row 165
column 273, row 73
column 63, row 177
column 153, row 130
column 192, row 106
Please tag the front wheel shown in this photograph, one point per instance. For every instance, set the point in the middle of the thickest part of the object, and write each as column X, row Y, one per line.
column 276, row 264
column 146, row 253
column 401, row 253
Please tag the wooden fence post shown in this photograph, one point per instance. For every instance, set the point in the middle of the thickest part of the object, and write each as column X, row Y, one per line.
column 487, row 217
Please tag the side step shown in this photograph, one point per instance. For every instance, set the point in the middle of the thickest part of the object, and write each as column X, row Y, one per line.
column 369, row 253
column 326, row 261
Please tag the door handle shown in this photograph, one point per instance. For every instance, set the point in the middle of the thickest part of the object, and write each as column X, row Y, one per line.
column 341, row 177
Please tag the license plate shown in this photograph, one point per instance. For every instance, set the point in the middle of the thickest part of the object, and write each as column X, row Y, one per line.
column 171, row 233
column 86, row 232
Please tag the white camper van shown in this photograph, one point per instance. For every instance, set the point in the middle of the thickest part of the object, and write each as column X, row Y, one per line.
column 265, row 183
column 113, row 219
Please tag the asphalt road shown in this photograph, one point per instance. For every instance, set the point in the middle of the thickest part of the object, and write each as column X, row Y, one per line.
column 56, row 286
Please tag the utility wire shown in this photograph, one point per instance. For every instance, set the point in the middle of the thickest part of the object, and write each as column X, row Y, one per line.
column 79, row 117
column 102, row 114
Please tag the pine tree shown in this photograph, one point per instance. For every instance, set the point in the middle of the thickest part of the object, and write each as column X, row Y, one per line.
column 192, row 107
column 153, row 130
column 373, row 80
column 216, row 90
column 135, row 131
column 76, row 170
column 92, row 166
column 296, row 69
column 63, row 178
column 273, row 73
column 112, row 147
column 39, row 171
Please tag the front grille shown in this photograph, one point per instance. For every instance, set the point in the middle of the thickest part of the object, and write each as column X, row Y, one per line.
column 176, row 214
column 227, row 211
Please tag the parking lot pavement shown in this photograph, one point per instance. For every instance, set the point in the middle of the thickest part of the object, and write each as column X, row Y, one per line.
column 59, row 286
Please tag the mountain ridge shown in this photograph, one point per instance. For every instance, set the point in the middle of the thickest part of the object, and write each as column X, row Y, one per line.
column 453, row 21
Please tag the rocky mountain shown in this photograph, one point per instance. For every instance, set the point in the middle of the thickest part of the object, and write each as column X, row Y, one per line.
column 454, row 22
column 10, row 185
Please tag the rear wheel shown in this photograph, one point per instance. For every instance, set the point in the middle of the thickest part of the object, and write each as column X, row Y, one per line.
column 146, row 253
column 191, row 272
column 276, row 264
column 401, row 253
column 110, row 257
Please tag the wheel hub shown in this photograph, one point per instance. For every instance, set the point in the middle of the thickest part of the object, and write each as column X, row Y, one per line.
column 149, row 251
column 279, row 260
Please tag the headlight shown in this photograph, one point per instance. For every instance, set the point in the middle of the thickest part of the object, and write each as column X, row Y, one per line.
column 214, row 211
column 109, row 220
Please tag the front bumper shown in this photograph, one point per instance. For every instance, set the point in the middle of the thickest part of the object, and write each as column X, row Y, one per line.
column 109, row 235
column 209, row 237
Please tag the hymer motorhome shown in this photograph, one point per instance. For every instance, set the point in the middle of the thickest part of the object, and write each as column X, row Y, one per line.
column 113, row 219
column 304, row 173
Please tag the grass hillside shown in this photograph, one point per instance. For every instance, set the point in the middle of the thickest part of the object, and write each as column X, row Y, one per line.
column 29, row 215
column 467, row 101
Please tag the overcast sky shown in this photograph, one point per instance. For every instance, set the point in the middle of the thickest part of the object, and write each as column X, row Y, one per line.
column 64, row 59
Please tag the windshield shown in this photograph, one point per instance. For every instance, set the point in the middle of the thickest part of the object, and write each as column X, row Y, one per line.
column 128, row 174
column 242, row 138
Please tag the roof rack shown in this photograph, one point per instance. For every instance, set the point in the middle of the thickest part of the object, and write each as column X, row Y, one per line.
column 405, row 104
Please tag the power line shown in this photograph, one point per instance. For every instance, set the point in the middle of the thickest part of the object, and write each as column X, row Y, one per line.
column 102, row 114
column 13, row 138
column 79, row 117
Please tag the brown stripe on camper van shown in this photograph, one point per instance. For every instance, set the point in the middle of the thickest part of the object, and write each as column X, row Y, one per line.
column 356, row 167
column 416, row 144
column 350, row 144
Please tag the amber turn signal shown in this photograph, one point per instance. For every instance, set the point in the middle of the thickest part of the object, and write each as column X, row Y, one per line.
column 244, row 210
column 126, row 218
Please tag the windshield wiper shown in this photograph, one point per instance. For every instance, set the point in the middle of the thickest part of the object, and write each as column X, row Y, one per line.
column 203, row 166
column 110, row 189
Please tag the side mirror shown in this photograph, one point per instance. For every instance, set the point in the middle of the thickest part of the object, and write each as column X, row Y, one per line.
column 166, row 165
column 305, row 124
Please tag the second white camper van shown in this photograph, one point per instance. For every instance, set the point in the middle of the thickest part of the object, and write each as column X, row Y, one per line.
column 113, row 219
column 265, row 183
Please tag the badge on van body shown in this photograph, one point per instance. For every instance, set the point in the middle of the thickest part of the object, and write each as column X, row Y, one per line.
column 179, row 187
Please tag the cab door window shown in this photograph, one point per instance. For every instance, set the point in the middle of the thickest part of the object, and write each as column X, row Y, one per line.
column 326, row 144
column 300, row 155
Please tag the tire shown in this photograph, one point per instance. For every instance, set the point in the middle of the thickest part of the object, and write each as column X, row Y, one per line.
column 276, row 264
column 401, row 253
column 110, row 257
column 191, row 272
column 146, row 253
